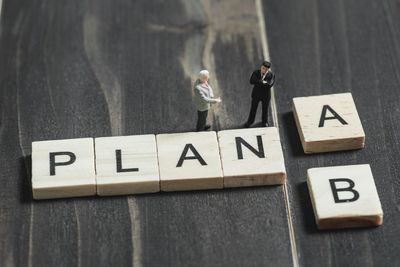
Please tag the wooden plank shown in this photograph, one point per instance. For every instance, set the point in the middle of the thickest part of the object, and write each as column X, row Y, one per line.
column 332, row 47
column 89, row 69
column 203, row 227
column 50, row 93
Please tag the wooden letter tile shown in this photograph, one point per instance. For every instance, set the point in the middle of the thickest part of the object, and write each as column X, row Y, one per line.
column 251, row 157
column 328, row 123
column 344, row 196
column 63, row 168
column 189, row 161
column 127, row 165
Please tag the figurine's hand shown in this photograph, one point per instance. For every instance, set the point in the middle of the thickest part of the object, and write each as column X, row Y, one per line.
column 218, row 100
column 264, row 82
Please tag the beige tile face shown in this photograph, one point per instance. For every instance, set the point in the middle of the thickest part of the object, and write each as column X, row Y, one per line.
column 340, row 128
column 251, row 157
column 127, row 165
column 344, row 196
column 193, row 173
column 73, row 171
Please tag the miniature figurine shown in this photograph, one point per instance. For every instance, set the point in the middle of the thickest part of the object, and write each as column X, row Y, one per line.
column 204, row 99
column 263, row 80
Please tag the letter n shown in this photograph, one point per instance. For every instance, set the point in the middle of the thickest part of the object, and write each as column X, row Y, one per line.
column 259, row 153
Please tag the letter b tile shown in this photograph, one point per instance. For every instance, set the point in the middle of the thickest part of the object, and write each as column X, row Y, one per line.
column 344, row 196
column 189, row 161
column 328, row 123
column 63, row 168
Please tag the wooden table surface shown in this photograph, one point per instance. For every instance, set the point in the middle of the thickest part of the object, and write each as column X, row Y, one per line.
column 89, row 68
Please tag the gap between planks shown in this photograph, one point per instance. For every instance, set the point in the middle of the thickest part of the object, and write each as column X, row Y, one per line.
column 264, row 43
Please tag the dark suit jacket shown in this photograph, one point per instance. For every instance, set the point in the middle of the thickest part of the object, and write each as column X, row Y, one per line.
column 262, row 91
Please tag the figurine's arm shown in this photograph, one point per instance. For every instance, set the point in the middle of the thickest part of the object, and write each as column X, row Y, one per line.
column 202, row 95
column 271, row 80
column 254, row 79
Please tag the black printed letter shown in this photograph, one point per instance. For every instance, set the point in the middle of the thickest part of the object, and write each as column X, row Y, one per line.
column 335, row 116
column 259, row 153
column 349, row 189
column 53, row 162
column 119, row 163
column 195, row 153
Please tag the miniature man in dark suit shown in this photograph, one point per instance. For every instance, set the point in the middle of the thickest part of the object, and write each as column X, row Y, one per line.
column 262, row 79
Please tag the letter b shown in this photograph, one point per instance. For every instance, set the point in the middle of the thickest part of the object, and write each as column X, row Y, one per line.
column 335, row 190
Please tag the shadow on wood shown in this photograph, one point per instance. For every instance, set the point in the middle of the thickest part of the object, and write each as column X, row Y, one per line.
column 26, row 176
column 290, row 130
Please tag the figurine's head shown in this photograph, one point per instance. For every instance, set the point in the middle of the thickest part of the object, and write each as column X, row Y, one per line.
column 204, row 75
column 265, row 66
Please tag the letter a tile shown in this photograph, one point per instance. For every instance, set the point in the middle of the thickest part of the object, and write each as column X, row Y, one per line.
column 127, row 165
column 328, row 123
column 189, row 161
column 251, row 157
column 344, row 196
column 63, row 168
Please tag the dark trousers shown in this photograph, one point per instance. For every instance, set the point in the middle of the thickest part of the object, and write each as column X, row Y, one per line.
column 201, row 120
column 253, row 110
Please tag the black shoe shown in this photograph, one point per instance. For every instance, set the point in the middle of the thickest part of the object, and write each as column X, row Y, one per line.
column 264, row 124
column 208, row 126
column 247, row 125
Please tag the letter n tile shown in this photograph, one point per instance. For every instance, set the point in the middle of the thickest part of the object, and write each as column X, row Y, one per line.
column 251, row 157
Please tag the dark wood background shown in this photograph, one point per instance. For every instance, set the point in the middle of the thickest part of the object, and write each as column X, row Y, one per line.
column 89, row 68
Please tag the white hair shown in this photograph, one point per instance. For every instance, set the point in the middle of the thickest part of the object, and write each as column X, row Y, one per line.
column 203, row 74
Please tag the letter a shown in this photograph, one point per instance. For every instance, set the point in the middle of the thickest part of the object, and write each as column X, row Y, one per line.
column 335, row 116
column 195, row 153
